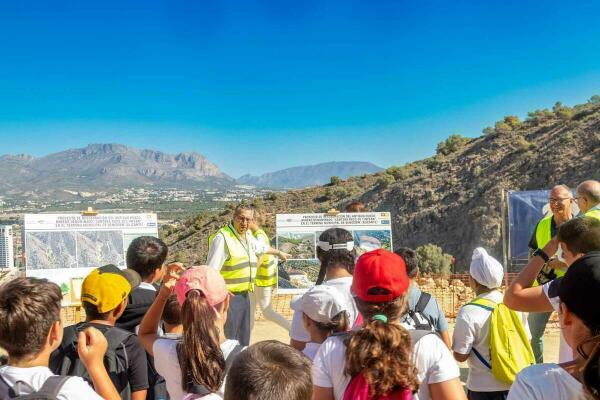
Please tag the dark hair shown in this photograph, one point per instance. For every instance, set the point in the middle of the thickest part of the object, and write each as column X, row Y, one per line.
column 172, row 311
column 355, row 207
column 339, row 323
column 335, row 257
column 381, row 351
column 28, row 309
column 199, row 352
column 410, row 260
column 269, row 370
column 581, row 235
column 91, row 312
column 145, row 254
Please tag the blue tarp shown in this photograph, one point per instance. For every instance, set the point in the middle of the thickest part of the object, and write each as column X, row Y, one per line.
column 524, row 212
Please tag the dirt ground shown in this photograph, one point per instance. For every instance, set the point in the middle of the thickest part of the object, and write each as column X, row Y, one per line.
column 265, row 330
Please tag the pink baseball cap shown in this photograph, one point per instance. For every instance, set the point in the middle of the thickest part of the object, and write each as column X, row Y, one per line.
column 205, row 279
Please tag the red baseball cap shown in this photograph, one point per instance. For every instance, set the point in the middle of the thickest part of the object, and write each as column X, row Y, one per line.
column 380, row 269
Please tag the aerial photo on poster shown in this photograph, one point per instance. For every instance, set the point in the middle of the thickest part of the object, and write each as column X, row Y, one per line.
column 298, row 235
column 65, row 247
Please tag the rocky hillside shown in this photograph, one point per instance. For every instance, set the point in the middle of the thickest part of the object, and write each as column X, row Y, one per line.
column 452, row 199
column 102, row 165
column 310, row 175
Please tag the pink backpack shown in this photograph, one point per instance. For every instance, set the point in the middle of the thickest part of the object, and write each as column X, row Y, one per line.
column 358, row 389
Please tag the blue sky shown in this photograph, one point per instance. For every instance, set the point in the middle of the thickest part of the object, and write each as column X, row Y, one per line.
column 263, row 85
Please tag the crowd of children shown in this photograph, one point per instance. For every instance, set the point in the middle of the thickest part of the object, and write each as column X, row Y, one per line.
column 364, row 332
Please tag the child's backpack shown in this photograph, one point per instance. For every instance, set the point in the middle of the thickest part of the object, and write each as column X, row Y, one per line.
column 416, row 317
column 66, row 361
column 510, row 349
column 49, row 390
column 358, row 388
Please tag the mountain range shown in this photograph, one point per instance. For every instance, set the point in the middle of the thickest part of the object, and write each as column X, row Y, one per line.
column 107, row 166
column 310, row 175
column 453, row 199
column 99, row 166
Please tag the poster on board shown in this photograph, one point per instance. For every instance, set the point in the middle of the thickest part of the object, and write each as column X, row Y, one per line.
column 64, row 248
column 298, row 235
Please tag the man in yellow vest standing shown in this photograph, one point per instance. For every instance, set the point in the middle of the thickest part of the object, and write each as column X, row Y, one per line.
column 266, row 279
column 234, row 252
column 588, row 198
column 561, row 201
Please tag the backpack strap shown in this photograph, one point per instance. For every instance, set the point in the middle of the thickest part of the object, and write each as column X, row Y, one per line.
column 232, row 356
column 422, row 303
column 418, row 334
column 52, row 386
column 480, row 358
column 488, row 305
column 483, row 303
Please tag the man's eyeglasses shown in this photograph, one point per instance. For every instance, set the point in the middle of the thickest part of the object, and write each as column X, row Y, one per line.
column 558, row 199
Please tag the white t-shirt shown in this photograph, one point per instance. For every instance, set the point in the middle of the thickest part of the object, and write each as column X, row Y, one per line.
column 546, row 381
column 432, row 358
column 167, row 365
column 565, row 353
column 472, row 330
column 73, row 389
column 299, row 333
column 311, row 349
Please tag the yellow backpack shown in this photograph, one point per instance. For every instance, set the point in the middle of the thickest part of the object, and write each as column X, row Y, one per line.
column 510, row 349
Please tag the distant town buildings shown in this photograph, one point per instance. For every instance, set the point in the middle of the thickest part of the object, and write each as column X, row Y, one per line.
column 7, row 256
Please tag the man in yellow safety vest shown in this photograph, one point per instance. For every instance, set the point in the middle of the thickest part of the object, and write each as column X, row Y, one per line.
column 234, row 252
column 266, row 279
column 561, row 201
column 588, row 198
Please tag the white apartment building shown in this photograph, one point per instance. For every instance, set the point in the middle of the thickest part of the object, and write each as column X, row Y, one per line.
column 7, row 256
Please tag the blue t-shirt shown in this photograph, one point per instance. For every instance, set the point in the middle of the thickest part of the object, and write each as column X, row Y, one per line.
column 433, row 310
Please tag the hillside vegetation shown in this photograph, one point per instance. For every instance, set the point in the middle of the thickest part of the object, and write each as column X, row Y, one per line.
column 453, row 199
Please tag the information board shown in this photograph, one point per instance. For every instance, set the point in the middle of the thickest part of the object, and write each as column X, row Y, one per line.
column 298, row 235
column 64, row 248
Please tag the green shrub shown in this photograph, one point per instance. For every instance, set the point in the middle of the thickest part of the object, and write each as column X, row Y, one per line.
column 385, row 180
column 539, row 116
column 399, row 173
column 452, row 144
column 272, row 196
column 595, row 99
column 565, row 113
column 433, row 260
column 523, row 145
column 334, row 180
column 512, row 121
column 502, row 126
column 488, row 130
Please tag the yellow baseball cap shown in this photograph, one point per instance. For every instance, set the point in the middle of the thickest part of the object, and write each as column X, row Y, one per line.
column 106, row 287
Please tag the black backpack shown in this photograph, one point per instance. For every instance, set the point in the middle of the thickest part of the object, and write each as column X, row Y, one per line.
column 66, row 361
column 49, row 390
column 416, row 318
column 201, row 390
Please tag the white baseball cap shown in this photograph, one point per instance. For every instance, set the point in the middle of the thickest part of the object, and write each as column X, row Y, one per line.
column 321, row 303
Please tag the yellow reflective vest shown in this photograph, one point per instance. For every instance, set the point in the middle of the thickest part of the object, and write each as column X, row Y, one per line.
column 594, row 213
column 266, row 273
column 239, row 269
column 543, row 234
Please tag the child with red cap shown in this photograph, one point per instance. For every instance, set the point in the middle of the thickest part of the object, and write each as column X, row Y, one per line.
column 384, row 360
column 194, row 366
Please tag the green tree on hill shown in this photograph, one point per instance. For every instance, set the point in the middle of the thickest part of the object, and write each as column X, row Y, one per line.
column 452, row 144
column 433, row 260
